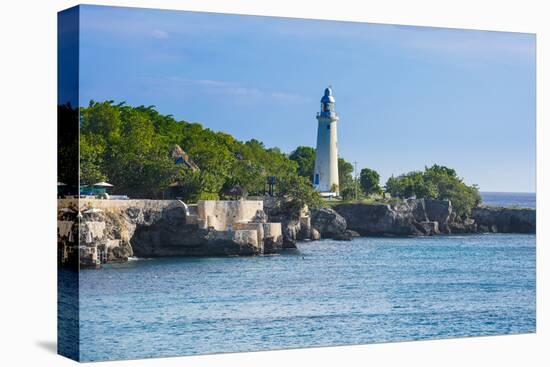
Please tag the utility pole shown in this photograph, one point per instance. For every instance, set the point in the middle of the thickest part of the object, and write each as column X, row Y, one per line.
column 355, row 163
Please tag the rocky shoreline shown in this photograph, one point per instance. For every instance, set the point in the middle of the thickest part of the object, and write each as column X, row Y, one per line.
column 422, row 217
column 107, row 231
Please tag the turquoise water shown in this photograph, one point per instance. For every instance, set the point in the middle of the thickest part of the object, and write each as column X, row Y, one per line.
column 326, row 293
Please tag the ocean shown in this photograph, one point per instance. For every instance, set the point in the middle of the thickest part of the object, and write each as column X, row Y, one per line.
column 509, row 199
column 325, row 293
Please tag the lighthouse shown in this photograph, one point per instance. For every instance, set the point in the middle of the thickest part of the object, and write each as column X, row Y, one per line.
column 325, row 176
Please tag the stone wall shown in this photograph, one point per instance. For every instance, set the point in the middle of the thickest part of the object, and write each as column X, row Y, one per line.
column 118, row 205
column 221, row 215
column 113, row 230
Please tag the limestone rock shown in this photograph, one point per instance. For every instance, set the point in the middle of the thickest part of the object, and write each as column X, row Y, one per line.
column 378, row 219
column 418, row 209
column 328, row 222
column 273, row 238
column 347, row 235
column 467, row 225
column 291, row 231
column 428, row 228
column 261, row 217
column 113, row 230
column 505, row 220
column 315, row 235
column 439, row 211
column 353, row 234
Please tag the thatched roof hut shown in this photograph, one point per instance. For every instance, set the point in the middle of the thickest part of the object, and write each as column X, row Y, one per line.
column 181, row 157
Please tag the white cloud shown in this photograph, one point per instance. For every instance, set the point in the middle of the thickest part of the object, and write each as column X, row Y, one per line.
column 160, row 34
column 239, row 91
column 229, row 89
column 288, row 97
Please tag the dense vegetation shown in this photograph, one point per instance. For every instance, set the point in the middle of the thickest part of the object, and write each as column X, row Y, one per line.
column 367, row 184
column 130, row 148
column 436, row 182
column 305, row 159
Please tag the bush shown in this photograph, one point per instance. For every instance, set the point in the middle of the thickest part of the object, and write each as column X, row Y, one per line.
column 130, row 147
column 295, row 192
column 436, row 182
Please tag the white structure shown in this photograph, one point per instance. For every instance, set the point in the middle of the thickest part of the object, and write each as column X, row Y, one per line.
column 325, row 176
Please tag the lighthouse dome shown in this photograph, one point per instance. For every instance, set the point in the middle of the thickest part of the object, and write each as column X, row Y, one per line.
column 327, row 97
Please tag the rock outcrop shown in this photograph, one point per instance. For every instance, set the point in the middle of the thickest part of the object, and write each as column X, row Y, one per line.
column 414, row 217
column 439, row 211
column 505, row 220
column 328, row 223
column 378, row 219
column 294, row 228
column 171, row 234
column 102, row 231
column 91, row 232
column 310, row 224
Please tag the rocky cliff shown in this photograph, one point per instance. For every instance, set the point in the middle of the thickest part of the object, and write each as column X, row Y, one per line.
column 417, row 217
column 100, row 231
column 410, row 218
column 294, row 229
column 505, row 220
column 379, row 219
column 170, row 234
column 330, row 224
column 311, row 224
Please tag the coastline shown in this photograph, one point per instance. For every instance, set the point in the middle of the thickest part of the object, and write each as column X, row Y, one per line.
column 109, row 231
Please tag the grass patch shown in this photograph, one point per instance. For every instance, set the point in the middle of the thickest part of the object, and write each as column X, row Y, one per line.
column 370, row 201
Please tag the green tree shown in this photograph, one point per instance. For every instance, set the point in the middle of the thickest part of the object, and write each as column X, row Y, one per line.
column 451, row 187
column 370, row 181
column 351, row 192
column 305, row 159
column 436, row 182
column 345, row 170
column 101, row 118
column 130, row 147
column 393, row 186
column 346, row 181
column 295, row 192
column 91, row 159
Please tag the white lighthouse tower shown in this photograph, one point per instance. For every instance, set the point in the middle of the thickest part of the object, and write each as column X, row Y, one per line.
column 325, row 176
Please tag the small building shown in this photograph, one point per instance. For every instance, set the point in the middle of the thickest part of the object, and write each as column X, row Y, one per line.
column 99, row 188
column 177, row 189
column 181, row 157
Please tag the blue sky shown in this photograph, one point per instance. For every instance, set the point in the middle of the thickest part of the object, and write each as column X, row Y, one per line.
column 407, row 96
